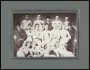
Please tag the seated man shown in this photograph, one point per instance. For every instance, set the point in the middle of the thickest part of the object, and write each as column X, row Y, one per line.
column 54, row 35
column 66, row 24
column 65, row 36
column 29, row 30
column 56, row 48
column 37, row 35
column 19, row 37
column 46, row 36
column 24, row 50
column 61, row 51
column 36, row 50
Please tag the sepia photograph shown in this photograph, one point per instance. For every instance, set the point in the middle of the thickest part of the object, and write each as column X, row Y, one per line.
column 45, row 34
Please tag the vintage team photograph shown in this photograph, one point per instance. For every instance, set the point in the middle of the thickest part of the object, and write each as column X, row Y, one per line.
column 50, row 34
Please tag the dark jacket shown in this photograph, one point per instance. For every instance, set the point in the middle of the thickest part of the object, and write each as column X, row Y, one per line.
column 49, row 25
column 17, row 42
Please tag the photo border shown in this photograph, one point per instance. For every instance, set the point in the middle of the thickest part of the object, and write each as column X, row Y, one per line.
column 12, row 11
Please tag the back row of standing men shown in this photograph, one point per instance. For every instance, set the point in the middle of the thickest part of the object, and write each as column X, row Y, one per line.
column 27, row 22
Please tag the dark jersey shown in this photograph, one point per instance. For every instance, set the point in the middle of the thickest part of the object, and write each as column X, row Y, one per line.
column 49, row 26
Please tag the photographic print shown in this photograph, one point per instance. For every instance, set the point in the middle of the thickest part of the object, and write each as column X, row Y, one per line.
column 45, row 33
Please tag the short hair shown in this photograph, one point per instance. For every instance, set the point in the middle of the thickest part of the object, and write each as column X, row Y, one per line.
column 48, row 17
column 26, row 15
column 57, row 16
column 29, row 24
column 17, row 25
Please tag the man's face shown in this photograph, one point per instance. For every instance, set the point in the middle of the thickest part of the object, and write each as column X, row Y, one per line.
column 48, row 19
column 26, row 17
column 39, row 17
column 57, row 17
column 66, row 18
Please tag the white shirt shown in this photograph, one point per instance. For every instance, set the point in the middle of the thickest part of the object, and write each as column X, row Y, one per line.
column 46, row 36
column 65, row 34
column 36, row 34
column 57, row 22
column 40, row 22
column 24, row 24
column 55, row 33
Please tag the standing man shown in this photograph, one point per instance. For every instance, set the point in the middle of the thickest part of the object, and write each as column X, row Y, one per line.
column 49, row 23
column 40, row 22
column 66, row 24
column 25, row 23
column 54, row 35
column 57, row 22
